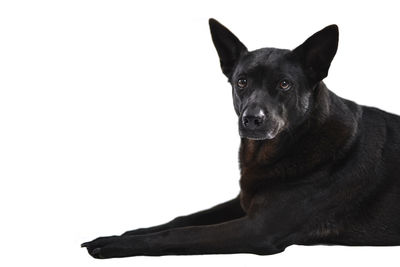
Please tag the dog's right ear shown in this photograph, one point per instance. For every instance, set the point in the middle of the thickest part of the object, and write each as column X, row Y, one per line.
column 228, row 46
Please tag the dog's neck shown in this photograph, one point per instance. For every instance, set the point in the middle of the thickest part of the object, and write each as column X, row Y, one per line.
column 326, row 135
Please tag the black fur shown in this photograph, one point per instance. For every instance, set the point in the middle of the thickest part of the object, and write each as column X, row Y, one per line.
column 315, row 168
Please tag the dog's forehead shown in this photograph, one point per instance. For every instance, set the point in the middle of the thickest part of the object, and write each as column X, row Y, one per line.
column 261, row 59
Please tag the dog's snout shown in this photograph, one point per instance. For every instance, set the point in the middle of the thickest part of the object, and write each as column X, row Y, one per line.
column 253, row 121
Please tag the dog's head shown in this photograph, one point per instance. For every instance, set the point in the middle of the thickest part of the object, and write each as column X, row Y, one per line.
column 273, row 88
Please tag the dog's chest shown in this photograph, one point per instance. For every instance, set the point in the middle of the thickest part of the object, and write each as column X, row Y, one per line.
column 254, row 155
column 245, row 200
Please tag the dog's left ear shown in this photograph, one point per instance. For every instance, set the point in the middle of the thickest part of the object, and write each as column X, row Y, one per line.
column 317, row 52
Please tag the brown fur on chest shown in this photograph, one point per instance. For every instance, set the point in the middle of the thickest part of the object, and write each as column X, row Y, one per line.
column 254, row 156
column 269, row 163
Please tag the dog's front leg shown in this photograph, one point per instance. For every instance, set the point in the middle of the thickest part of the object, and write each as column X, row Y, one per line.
column 242, row 235
column 223, row 212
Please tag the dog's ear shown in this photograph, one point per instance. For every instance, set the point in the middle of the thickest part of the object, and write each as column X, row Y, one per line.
column 228, row 46
column 317, row 52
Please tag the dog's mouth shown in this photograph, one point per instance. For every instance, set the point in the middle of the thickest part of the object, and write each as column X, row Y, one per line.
column 262, row 134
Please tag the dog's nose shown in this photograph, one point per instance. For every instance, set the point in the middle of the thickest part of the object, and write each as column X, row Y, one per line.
column 253, row 122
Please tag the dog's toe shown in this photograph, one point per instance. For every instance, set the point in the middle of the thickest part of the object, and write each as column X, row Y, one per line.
column 99, row 248
column 96, row 253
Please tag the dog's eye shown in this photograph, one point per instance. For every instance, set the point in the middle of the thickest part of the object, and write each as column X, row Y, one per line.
column 285, row 85
column 242, row 83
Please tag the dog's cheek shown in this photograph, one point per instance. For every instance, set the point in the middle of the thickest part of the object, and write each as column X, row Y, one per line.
column 303, row 103
column 236, row 103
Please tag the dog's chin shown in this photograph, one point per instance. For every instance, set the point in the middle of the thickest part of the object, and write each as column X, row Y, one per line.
column 268, row 135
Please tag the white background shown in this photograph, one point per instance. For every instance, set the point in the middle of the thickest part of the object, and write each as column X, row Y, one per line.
column 115, row 115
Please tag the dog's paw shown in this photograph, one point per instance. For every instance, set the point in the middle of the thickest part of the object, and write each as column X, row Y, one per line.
column 99, row 248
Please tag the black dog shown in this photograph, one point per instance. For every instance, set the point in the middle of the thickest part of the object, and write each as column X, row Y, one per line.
column 315, row 168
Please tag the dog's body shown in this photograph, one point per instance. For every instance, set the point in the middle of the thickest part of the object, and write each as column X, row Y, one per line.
column 315, row 168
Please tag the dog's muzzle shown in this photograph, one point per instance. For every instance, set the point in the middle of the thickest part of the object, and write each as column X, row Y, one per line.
column 256, row 125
